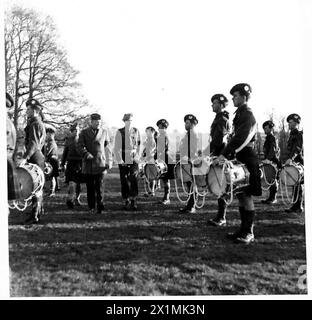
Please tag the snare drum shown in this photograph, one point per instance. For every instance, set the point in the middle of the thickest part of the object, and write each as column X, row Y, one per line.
column 31, row 178
column 183, row 172
column 291, row 174
column 200, row 170
column 268, row 173
column 153, row 171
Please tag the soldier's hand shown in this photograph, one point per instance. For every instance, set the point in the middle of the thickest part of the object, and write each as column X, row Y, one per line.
column 89, row 156
column 22, row 162
column 288, row 161
column 219, row 160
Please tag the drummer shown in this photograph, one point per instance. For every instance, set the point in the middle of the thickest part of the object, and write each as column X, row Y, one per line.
column 219, row 131
column 295, row 154
column 34, row 142
column 188, row 152
column 271, row 154
column 242, row 144
column 163, row 155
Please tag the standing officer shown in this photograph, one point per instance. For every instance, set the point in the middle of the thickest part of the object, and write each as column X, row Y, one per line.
column 34, row 142
column 295, row 154
column 13, row 185
column 93, row 144
column 242, row 144
column 219, row 131
column 126, row 151
column 188, row 152
column 271, row 153
column 73, row 173
column 163, row 155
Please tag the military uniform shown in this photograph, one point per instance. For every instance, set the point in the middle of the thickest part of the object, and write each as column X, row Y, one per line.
column 295, row 153
column 127, row 147
column 93, row 144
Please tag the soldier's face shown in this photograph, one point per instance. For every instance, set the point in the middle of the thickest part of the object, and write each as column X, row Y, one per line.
column 238, row 99
column 267, row 130
column 188, row 125
column 292, row 124
column 95, row 124
column 216, row 106
column 29, row 112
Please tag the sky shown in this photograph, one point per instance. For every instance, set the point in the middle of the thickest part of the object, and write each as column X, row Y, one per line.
column 165, row 59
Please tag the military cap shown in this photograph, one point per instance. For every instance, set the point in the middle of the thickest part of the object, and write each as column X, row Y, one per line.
column 220, row 97
column 162, row 122
column 50, row 128
column 268, row 123
column 9, row 97
column 150, row 128
column 295, row 117
column 34, row 103
column 73, row 126
column 127, row 116
column 243, row 88
column 95, row 116
column 191, row 118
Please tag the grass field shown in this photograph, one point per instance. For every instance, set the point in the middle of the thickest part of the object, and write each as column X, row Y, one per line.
column 154, row 251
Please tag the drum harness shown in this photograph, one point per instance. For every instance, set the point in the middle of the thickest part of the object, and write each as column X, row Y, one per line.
column 15, row 204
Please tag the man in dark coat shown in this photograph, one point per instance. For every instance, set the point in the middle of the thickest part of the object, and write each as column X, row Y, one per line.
column 295, row 154
column 93, row 144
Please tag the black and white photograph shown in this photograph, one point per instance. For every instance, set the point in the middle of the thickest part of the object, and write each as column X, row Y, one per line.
column 156, row 149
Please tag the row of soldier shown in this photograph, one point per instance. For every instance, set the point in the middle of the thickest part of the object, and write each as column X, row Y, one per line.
column 87, row 156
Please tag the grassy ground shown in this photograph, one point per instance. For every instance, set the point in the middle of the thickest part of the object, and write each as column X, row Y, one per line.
column 154, row 251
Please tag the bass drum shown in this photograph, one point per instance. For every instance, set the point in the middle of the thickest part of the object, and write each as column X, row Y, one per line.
column 153, row 171
column 200, row 171
column 291, row 174
column 183, row 172
column 31, row 178
column 268, row 174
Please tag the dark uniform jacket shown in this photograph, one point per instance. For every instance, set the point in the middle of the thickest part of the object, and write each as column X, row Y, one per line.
column 295, row 146
column 70, row 152
column 271, row 149
column 244, row 126
column 51, row 149
column 189, row 145
column 127, row 146
column 220, row 128
column 163, row 148
column 96, row 144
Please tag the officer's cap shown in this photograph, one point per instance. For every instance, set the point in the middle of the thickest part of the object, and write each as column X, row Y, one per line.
column 295, row 117
column 221, row 98
column 268, row 123
column 243, row 88
column 35, row 104
column 10, row 99
column 151, row 129
column 127, row 116
column 95, row 116
column 162, row 122
column 191, row 118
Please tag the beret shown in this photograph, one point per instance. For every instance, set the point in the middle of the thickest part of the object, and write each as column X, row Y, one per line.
column 268, row 123
column 191, row 118
column 242, row 88
column 9, row 97
column 295, row 117
column 34, row 103
column 127, row 116
column 162, row 122
column 220, row 97
column 95, row 116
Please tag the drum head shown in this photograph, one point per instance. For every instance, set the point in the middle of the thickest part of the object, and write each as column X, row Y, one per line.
column 268, row 173
column 26, row 182
column 290, row 175
column 151, row 171
column 216, row 180
column 185, row 171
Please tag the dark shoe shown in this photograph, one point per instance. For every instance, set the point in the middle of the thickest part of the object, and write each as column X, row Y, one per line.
column 32, row 220
column 165, row 202
column 70, row 204
column 127, row 204
column 269, row 201
column 245, row 238
column 234, row 235
column 100, row 208
column 187, row 210
column 51, row 194
column 133, row 206
column 217, row 222
column 91, row 211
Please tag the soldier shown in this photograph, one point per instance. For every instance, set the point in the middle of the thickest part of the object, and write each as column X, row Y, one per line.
column 93, row 144
column 295, row 154
column 34, row 142
column 126, row 151
column 271, row 153
column 218, row 132
column 163, row 155
column 13, row 185
column 188, row 152
column 51, row 156
column 242, row 143
column 73, row 173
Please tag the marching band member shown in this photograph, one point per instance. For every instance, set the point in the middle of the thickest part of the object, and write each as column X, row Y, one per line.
column 73, row 172
column 295, row 154
column 13, row 185
column 149, row 155
column 51, row 156
column 241, row 143
column 93, row 144
column 219, row 130
column 271, row 153
column 163, row 155
column 126, row 151
column 34, row 142
column 188, row 152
